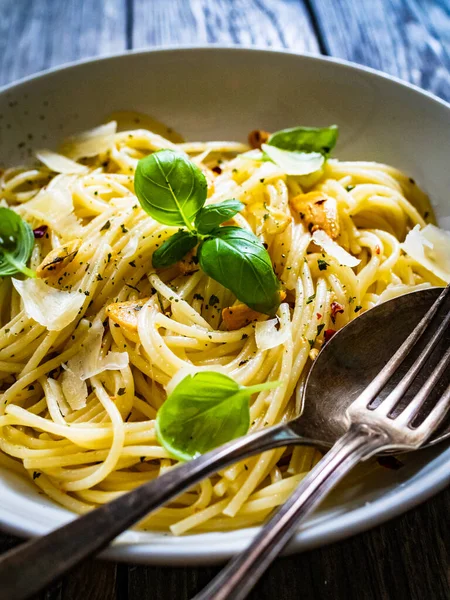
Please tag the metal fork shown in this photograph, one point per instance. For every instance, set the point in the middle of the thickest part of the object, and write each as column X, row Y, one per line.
column 371, row 429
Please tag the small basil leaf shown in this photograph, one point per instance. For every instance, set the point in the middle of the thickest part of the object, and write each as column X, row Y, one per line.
column 237, row 259
column 294, row 163
column 170, row 187
column 213, row 215
column 16, row 244
column 174, row 249
column 204, row 411
column 306, row 139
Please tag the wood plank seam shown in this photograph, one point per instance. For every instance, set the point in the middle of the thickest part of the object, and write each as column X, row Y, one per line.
column 314, row 18
column 129, row 23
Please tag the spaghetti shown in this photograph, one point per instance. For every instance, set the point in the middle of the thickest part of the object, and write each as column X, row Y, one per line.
column 85, row 440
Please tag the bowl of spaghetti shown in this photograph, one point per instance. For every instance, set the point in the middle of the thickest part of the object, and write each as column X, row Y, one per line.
column 175, row 221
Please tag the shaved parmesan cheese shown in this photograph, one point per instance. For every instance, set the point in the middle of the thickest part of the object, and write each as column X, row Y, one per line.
column 50, row 307
column 56, row 390
column 74, row 389
column 267, row 335
column 49, row 205
column 59, row 163
column 90, row 143
column 294, row 163
column 252, row 155
column 430, row 247
column 333, row 249
column 55, row 208
column 88, row 362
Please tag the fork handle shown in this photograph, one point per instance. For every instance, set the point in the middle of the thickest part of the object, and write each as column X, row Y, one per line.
column 241, row 574
column 27, row 569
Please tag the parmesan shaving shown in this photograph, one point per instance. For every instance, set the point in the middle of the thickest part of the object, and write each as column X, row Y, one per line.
column 55, row 208
column 59, row 163
column 74, row 388
column 49, row 205
column 90, row 143
column 294, row 163
column 48, row 306
column 56, row 390
column 333, row 249
column 269, row 334
column 88, row 361
column 430, row 247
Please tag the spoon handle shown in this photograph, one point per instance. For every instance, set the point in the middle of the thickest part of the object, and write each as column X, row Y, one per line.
column 27, row 569
column 241, row 574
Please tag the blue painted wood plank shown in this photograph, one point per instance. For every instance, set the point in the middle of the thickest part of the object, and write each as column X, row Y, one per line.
column 38, row 34
column 406, row 38
column 274, row 23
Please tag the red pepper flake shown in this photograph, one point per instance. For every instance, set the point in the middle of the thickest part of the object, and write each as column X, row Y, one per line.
column 377, row 249
column 217, row 170
column 328, row 334
column 39, row 232
column 335, row 309
column 318, row 315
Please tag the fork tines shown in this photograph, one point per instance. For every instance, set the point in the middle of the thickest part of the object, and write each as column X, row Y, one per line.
column 436, row 321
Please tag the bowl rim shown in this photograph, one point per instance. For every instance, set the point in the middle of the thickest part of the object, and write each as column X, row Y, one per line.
column 317, row 532
column 219, row 46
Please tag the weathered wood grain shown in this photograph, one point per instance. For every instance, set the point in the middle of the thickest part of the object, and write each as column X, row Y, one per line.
column 35, row 35
column 406, row 38
column 406, row 559
column 94, row 580
column 276, row 23
column 38, row 34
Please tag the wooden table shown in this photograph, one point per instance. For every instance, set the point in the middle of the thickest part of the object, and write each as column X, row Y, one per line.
column 408, row 558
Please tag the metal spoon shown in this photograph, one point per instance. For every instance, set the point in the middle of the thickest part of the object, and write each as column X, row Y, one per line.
column 342, row 370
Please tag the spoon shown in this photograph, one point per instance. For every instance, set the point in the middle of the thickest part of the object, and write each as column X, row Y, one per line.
column 344, row 367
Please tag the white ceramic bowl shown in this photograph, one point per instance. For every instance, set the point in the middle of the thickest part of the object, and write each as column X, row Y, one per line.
column 222, row 93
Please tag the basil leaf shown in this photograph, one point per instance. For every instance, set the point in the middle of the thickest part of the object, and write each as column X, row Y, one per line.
column 306, row 139
column 237, row 259
column 214, row 215
column 170, row 187
column 204, row 411
column 295, row 163
column 174, row 249
column 16, row 244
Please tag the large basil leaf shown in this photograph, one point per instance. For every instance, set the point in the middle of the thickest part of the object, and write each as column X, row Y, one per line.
column 16, row 244
column 204, row 411
column 170, row 187
column 237, row 259
column 174, row 249
column 213, row 215
column 306, row 139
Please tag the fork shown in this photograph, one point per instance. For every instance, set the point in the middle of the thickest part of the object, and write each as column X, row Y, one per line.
column 372, row 428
